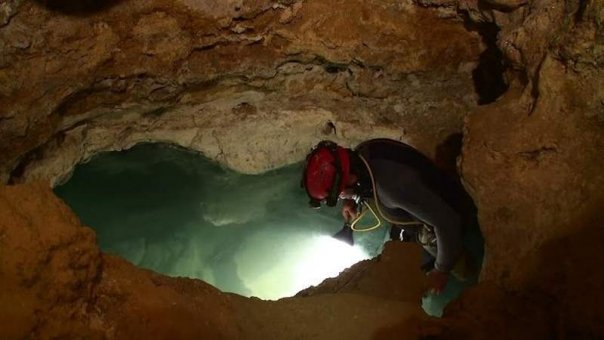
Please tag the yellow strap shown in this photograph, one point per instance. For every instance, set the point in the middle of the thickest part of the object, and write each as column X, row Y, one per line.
column 377, row 206
column 368, row 207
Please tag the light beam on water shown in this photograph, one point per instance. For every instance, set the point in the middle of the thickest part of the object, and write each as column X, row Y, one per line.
column 175, row 212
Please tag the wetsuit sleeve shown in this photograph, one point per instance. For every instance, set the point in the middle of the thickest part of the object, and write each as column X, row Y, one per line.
column 400, row 187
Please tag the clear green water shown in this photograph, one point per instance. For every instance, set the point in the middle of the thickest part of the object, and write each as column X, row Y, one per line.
column 175, row 212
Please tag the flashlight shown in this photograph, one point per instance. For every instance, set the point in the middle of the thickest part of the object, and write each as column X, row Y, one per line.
column 345, row 234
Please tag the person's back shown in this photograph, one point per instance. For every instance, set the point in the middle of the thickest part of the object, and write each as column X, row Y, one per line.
column 406, row 182
column 447, row 188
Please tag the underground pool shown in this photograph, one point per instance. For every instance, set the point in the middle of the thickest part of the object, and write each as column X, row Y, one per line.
column 175, row 212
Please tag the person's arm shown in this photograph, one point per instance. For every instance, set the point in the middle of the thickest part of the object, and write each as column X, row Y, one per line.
column 401, row 187
column 447, row 226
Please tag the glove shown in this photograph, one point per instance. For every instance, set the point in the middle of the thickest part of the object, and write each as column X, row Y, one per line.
column 437, row 281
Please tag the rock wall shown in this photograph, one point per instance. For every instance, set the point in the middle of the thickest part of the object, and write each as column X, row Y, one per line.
column 252, row 85
column 533, row 161
column 54, row 282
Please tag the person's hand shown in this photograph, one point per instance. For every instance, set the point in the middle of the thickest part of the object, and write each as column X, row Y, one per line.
column 437, row 281
column 349, row 210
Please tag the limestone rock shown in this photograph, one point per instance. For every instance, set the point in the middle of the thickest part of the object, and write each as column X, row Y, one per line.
column 74, row 74
column 532, row 161
column 44, row 292
column 253, row 85
column 507, row 4
column 381, row 277
column 8, row 9
column 54, row 282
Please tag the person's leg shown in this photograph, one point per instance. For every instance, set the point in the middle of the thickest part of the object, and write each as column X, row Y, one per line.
column 465, row 267
column 427, row 261
column 410, row 234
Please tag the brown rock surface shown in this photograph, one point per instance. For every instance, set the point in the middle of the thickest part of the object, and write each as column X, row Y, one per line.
column 209, row 75
column 488, row 312
column 47, row 274
column 202, row 74
column 380, row 277
column 54, row 282
column 533, row 163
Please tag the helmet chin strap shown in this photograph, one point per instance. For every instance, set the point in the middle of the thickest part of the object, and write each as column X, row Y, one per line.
column 334, row 192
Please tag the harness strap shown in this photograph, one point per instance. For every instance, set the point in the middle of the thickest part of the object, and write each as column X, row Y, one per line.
column 377, row 206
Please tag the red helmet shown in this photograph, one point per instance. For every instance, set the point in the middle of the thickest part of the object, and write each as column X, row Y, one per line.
column 326, row 174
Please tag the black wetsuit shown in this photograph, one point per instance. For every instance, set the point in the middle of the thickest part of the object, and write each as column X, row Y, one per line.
column 407, row 182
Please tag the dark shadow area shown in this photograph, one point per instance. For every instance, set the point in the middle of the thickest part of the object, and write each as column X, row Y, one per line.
column 560, row 293
column 405, row 329
column 16, row 175
column 469, row 266
column 567, row 274
column 79, row 7
column 581, row 10
column 489, row 81
column 446, row 153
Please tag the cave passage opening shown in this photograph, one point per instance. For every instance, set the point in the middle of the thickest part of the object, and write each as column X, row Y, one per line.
column 173, row 211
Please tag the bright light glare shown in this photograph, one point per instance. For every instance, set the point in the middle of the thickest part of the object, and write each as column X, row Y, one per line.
column 326, row 257
column 295, row 262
